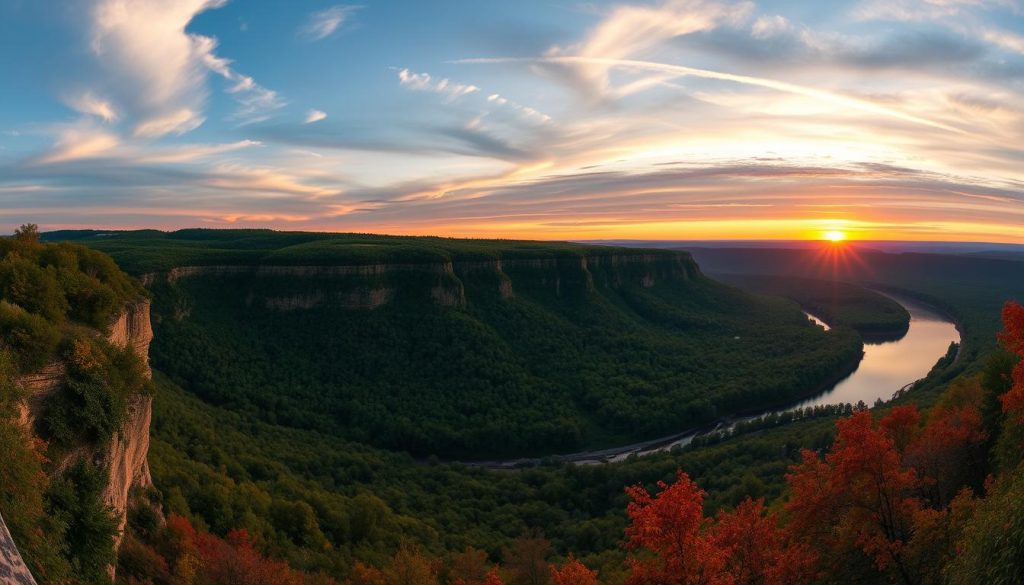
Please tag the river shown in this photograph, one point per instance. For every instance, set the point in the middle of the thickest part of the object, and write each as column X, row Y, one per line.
column 885, row 368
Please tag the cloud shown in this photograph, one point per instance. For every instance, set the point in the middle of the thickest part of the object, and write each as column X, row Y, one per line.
column 479, row 142
column 919, row 10
column 631, row 31
column 324, row 23
column 158, row 72
column 89, row 104
column 190, row 152
column 155, row 68
column 1007, row 40
column 424, row 82
column 402, row 138
column 669, row 71
column 177, row 122
column 314, row 116
column 526, row 111
column 255, row 101
column 794, row 47
column 79, row 140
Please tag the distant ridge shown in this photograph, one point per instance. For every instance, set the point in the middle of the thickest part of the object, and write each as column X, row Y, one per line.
column 989, row 249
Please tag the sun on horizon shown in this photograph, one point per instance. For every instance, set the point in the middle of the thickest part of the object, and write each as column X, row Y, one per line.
column 834, row 236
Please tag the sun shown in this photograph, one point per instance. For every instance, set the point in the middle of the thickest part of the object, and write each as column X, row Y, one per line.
column 835, row 236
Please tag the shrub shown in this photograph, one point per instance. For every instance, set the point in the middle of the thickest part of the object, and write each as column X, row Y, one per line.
column 30, row 338
column 75, row 500
column 93, row 403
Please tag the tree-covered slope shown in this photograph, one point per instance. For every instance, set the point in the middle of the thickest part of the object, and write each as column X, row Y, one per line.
column 873, row 315
column 471, row 349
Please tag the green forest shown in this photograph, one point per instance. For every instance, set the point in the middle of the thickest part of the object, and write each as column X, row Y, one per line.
column 873, row 315
column 534, row 374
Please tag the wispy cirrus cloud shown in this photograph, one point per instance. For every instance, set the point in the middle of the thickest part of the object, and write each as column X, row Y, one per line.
column 918, row 10
column 670, row 71
column 314, row 116
column 88, row 103
column 631, row 31
column 82, row 139
column 444, row 86
column 324, row 23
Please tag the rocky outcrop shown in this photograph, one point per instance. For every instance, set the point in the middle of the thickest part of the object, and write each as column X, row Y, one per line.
column 444, row 283
column 124, row 456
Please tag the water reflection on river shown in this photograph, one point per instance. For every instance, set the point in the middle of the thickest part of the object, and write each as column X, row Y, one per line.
column 889, row 366
column 886, row 367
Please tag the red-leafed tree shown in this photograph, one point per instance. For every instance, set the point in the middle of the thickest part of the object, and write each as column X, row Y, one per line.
column 948, row 454
column 860, row 498
column 493, row 578
column 887, row 497
column 201, row 558
column 1012, row 339
column 672, row 525
column 742, row 547
column 573, row 572
column 757, row 550
column 365, row 575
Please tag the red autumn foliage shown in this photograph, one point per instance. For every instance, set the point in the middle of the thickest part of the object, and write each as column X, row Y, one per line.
column 742, row 547
column 948, row 454
column 200, row 558
column 671, row 525
column 493, row 578
column 573, row 572
column 1012, row 339
column 862, row 491
column 364, row 575
column 757, row 550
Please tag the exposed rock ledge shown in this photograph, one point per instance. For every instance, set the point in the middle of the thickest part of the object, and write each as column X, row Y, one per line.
column 125, row 456
column 368, row 286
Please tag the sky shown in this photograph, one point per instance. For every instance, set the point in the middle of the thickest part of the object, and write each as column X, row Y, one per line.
column 678, row 119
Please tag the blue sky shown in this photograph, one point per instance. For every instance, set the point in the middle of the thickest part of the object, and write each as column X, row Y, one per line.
column 674, row 119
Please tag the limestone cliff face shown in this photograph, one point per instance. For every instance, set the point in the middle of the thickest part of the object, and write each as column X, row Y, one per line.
column 443, row 283
column 124, row 456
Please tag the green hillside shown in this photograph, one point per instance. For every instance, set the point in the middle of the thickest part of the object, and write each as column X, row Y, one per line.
column 438, row 349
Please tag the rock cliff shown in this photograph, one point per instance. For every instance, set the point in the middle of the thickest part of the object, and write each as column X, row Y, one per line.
column 444, row 283
column 124, row 457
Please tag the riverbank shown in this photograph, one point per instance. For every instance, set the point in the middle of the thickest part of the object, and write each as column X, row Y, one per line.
column 884, row 369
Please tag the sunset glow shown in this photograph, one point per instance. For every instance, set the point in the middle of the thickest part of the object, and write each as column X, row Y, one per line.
column 835, row 236
column 673, row 119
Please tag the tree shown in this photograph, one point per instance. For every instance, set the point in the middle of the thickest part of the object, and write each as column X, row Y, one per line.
column 1010, row 447
column 1012, row 339
column 525, row 560
column 573, row 572
column 670, row 524
column 27, row 234
column 990, row 550
column 859, row 501
column 410, row 567
column 758, row 551
column 365, row 575
column 470, row 567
